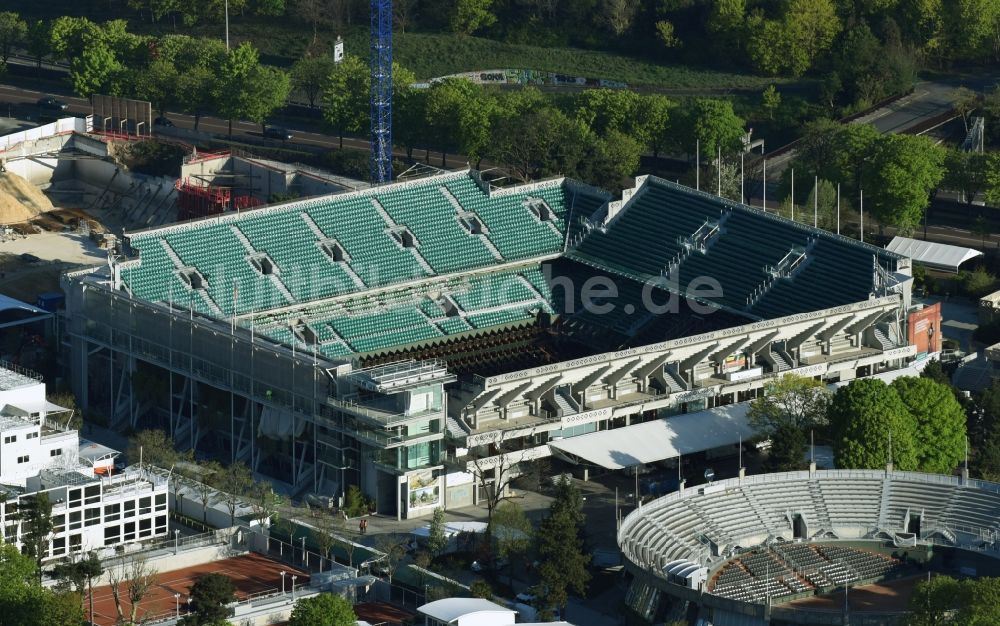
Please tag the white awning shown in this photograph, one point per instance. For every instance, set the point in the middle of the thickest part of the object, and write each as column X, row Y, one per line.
column 939, row 256
column 13, row 312
column 659, row 439
column 450, row 609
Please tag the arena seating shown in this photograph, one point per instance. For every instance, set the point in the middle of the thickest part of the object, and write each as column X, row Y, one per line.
column 857, row 505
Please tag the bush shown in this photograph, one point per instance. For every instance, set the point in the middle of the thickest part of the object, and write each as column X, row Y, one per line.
column 977, row 283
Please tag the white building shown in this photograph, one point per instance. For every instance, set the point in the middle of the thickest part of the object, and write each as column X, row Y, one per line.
column 91, row 509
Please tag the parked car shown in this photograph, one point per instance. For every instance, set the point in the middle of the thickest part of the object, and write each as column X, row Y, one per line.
column 277, row 132
column 49, row 103
column 163, row 122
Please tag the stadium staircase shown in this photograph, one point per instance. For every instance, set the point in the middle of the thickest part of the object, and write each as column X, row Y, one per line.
column 675, row 382
column 777, row 359
column 884, row 506
column 822, row 514
column 176, row 260
column 880, row 339
column 565, row 401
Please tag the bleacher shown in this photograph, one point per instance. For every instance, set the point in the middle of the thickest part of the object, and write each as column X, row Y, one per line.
column 661, row 216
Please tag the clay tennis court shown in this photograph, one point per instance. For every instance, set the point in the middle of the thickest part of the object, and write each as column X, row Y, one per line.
column 251, row 573
column 382, row 613
column 892, row 595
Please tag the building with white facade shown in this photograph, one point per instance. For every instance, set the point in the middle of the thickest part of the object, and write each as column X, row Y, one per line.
column 91, row 508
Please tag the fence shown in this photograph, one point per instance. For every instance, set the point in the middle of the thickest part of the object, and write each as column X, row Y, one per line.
column 58, row 127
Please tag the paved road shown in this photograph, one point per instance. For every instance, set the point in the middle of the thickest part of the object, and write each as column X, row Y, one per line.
column 929, row 99
column 304, row 136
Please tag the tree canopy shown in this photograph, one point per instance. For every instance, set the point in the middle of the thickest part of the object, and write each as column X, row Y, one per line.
column 864, row 417
column 790, row 400
column 325, row 609
column 940, row 423
column 210, row 594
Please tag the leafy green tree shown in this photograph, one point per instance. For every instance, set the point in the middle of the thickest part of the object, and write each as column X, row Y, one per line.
column 652, row 121
column 56, row 609
column 666, row 35
column 267, row 90
column 96, row 70
column 195, row 87
column 710, row 121
column 437, row 540
column 970, row 28
column 264, row 501
column 935, row 371
column 977, row 283
column 792, row 44
column 993, row 178
column 904, row 170
column 790, row 400
column 787, row 451
column 81, row 575
column 37, row 41
column 770, row 101
column 511, row 534
column 67, row 36
column 614, row 159
column 152, row 447
column 326, row 609
column 618, row 15
column 603, row 110
column 481, row 589
column 13, row 31
column 540, row 143
column 459, row 111
column 563, row 568
column 933, row 601
column 36, row 527
column 472, row 15
column 158, row 84
column 822, row 201
column 965, row 172
column 235, row 481
column 309, row 75
column 210, row 596
column 345, row 99
column 233, row 91
column 864, row 416
column 940, row 423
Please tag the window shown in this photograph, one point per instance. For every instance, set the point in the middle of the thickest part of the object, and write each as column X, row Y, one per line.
column 161, row 501
column 74, row 520
column 74, row 497
column 58, row 546
column 31, row 435
column 112, row 534
column 58, row 523
column 23, row 459
column 145, row 527
column 145, row 505
column 129, row 531
column 129, row 508
column 75, row 542
column 112, row 512
column 161, row 524
column 92, row 516
column 92, row 494
column 10, row 439
column 55, row 452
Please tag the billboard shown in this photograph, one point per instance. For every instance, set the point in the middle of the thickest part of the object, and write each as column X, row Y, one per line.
column 923, row 329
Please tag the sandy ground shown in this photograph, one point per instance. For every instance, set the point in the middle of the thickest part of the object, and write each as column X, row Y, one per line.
column 57, row 252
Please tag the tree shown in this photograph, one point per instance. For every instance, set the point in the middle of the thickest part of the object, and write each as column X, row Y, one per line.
column 233, row 89
column 788, row 445
column 264, row 501
column 154, row 448
column 935, row 371
column 345, row 99
column 472, row 15
column 710, row 121
column 982, row 228
column 195, row 87
column 67, row 36
column 481, row 589
column 210, row 596
column 933, row 601
column 965, row 102
column 36, row 527
column 651, row 122
column 770, row 101
column 993, row 178
column 540, row 143
column 822, row 201
column 19, row 588
column 96, row 69
column 393, row 549
column 130, row 578
column 158, row 84
column 965, row 172
column 267, row 90
column 511, row 535
column 326, row 609
column 792, row 44
column 82, row 574
column 309, row 75
column 235, row 482
column 665, row 33
column 940, row 423
column 37, row 41
column 603, row 110
column 205, row 474
column 618, row 15
column 563, row 568
column 459, row 111
column 493, row 475
column 790, row 400
column 864, row 416
column 437, row 540
column 13, row 31
column 905, row 168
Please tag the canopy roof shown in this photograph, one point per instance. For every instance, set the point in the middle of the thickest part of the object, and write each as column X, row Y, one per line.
column 940, row 256
column 659, row 439
column 13, row 312
column 450, row 609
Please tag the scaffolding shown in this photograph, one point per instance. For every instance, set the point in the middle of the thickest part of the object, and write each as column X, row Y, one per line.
column 197, row 200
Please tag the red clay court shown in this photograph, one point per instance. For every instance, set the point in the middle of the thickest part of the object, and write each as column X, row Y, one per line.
column 891, row 595
column 382, row 613
column 251, row 573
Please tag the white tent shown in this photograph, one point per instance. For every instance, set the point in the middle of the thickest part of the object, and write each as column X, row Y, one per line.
column 939, row 256
column 659, row 439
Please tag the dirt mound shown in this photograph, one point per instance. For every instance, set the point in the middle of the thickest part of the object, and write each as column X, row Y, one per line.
column 20, row 201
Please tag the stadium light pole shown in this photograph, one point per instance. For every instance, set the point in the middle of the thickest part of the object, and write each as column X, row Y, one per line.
column 743, row 199
column 793, row 194
column 816, row 202
column 764, row 202
column 227, row 25
column 718, row 172
column 838, row 208
column 697, row 164
column 177, row 605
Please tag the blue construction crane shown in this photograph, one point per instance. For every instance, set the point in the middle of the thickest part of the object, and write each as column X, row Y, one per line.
column 380, row 63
